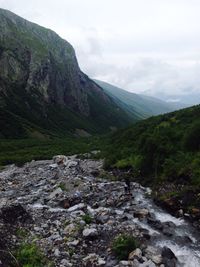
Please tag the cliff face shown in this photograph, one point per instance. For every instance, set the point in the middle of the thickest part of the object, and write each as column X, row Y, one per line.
column 41, row 82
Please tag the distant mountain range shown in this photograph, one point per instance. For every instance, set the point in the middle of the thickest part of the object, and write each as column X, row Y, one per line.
column 142, row 105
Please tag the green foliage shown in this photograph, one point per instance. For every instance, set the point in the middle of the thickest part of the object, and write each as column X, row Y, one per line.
column 165, row 147
column 87, row 218
column 21, row 233
column 63, row 186
column 134, row 161
column 29, row 255
column 24, row 150
column 123, row 245
column 191, row 139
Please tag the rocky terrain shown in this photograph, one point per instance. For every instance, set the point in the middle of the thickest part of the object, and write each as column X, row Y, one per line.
column 68, row 208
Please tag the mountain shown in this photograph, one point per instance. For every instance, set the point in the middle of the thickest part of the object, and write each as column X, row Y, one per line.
column 43, row 90
column 142, row 105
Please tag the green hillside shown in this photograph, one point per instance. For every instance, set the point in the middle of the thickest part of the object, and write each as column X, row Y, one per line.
column 162, row 150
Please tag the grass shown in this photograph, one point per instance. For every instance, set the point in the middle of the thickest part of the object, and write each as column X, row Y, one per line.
column 29, row 255
column 123, row 245
column 87, row 218
column 63, row 187
column 19, row 151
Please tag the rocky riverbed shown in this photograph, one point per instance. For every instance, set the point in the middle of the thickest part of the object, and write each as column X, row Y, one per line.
column 73, row 215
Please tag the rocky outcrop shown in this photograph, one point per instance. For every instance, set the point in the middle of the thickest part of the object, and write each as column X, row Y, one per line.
column 40, row 81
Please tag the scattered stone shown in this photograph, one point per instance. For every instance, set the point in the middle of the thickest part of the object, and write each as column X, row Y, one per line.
column 55, row 193
column 76, row 207
column 136, row 254
column 90, row 233
column 169, row 258
column 66, row 263
column 93, row 260
column 75, row 227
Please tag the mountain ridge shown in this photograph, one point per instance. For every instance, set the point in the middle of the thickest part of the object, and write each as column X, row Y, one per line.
column 41, row 83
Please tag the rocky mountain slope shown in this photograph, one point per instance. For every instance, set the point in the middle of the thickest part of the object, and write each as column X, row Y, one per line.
column 141, row 105
column 42, row 87
column 62, row 212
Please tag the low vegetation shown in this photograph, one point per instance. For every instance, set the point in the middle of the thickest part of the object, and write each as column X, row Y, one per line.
column 23, row 150
column 87, row 218
column 29, row 255
column 123, row 245
column 162, row 148
column 163, row 152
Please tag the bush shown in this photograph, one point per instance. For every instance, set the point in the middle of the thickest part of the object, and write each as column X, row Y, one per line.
column 123, row 245
column 191, row 139
column 28, row 255
column 87, row 218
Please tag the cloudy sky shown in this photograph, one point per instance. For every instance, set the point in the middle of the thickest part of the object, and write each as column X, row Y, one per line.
column 150, row 46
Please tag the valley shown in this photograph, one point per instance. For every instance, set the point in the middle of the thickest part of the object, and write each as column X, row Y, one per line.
column 68, row 146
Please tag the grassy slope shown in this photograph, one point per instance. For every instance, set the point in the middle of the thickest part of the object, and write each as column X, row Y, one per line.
column 24, row 150
column 164, row 152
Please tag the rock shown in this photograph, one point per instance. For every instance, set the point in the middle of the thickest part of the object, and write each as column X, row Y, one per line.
column 119, row 212
column 4, row 202
column 55, row 193
column 154, row 222
column 93, row 260
column 148, row 263
column 53, row 166
column 76, row 207
column 73, row 243
column 137, row 253
column 57, row 252
column 124, row 263
column 59, row 159
column 169, row 258
column 70, row 229
column 102, row 219
column 141, row 213
column 65, row 204
column 90, row 233
column 15, row 213
column 153, row 254
column 66, row 263
column 168, row 228
column 70, row 163
column 180, row 212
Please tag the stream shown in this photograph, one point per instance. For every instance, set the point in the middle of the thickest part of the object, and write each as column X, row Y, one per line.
column 185, row 239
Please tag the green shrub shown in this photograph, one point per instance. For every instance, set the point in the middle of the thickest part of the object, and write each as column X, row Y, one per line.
column 29, row 255
column 63, row 187
column 134, row 161
column 123, row 245
column 191, row 139
column 87, row 218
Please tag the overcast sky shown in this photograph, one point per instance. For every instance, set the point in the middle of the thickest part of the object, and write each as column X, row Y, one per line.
column 150, row 46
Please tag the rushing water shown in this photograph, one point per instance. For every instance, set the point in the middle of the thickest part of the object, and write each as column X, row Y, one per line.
column 185, row 242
